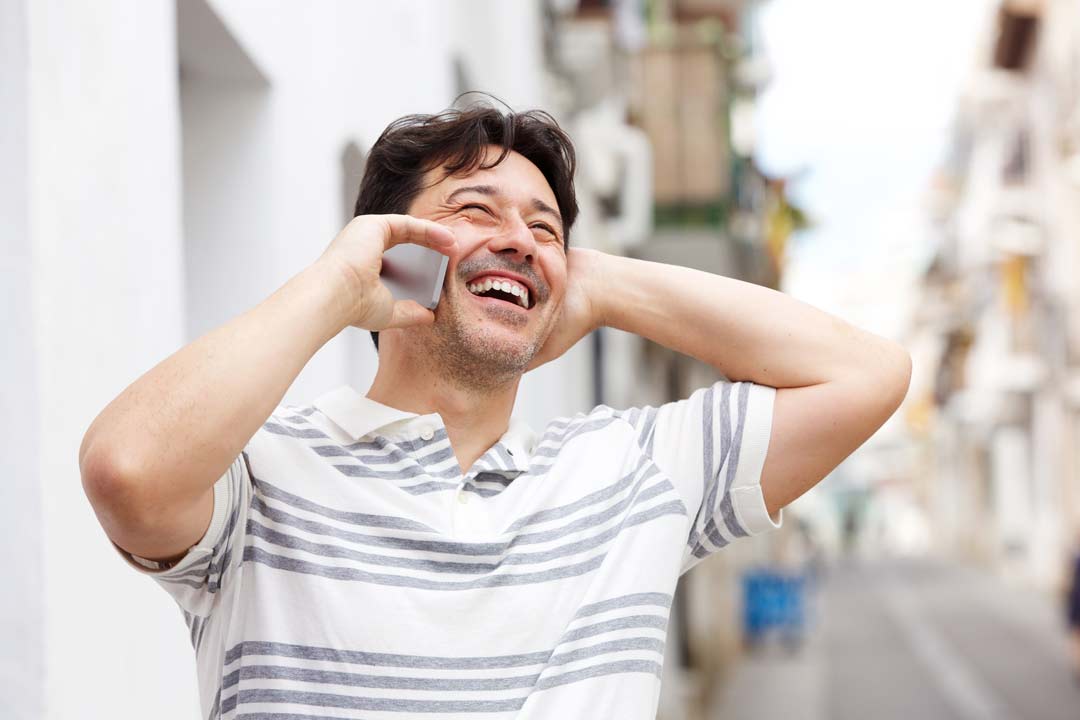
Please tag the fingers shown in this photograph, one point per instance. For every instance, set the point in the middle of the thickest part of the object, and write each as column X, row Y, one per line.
column 409, row 313
column 409, row 229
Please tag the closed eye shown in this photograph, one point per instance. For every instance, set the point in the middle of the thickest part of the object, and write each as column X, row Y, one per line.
column 548, row 228
column 475, row 206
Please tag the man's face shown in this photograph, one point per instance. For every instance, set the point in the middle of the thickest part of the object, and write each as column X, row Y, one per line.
column 505, row 283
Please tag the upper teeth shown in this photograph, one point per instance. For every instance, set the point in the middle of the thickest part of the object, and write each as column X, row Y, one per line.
column 507, row 286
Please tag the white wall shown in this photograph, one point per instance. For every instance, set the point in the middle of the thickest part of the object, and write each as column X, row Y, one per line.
column 100, row 178
column 21, row 628
column 104, row 218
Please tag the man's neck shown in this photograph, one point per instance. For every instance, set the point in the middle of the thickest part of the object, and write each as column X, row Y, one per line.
column 475, row 419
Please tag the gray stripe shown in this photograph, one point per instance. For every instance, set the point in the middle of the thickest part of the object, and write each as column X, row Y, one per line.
column 256, row 529
column 648, row 598
column 197, row 571
column 496, row 478
column 199, row 636
column 726, row 508
column 249, row 648
column 398, row 543
column 294, row 418
column 605, row 648
column 403, row 449
column 713, row 533
column 389, row 682
column 196, row 627
column 574, row 430
column 705, row 522
column 276, row 537
column 405, row 473
column 708, row 477
column 280, row 562
column 379, row 442
column 283, row 716
column 597, row 496
column 266, row 695
column 309, row 433
column 353, row 518
column 621, row 666
column 335, row 677
column 197, row 584
column 427, row 488
column 658, row 622
column 589, row 520
column 713, row 476
column 561, row 423
column 675, row 507
column 647, row 429
column 219, row 562
column 387, row 456
column 458, row 548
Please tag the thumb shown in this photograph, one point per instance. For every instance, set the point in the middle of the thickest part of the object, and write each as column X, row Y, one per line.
column 409, row 313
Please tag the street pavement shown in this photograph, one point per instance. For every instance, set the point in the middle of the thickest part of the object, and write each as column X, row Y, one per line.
column 912, row 640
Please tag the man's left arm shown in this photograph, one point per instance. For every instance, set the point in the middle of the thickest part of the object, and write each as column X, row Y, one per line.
column 836, row 384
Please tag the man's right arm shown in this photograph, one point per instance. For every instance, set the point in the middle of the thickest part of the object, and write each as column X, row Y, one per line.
column 149, row 461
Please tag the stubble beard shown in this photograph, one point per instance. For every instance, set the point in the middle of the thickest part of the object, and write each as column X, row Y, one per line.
column 474, row 358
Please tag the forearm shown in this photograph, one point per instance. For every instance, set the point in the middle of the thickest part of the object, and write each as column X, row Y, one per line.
column 745, row 331
column 170, row 435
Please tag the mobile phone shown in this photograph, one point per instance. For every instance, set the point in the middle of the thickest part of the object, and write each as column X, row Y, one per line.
column 414, row 272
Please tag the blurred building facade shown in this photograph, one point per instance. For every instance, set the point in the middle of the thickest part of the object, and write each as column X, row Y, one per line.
column 997, row 342
column 167, row 164
column 660, row 97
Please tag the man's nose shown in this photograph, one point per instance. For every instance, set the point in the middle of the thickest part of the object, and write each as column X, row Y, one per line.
column 516, row 240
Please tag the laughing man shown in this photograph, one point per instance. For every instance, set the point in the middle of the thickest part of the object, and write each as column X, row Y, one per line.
column 416, row 551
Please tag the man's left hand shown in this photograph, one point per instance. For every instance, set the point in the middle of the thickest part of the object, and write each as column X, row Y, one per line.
column 581, row 311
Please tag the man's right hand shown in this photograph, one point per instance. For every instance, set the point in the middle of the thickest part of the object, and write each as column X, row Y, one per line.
column 355, row 256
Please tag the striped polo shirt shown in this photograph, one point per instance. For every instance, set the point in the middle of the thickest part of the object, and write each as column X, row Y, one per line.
column 351, row 570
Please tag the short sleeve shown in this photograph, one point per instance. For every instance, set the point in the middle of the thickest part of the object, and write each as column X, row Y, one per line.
column 209, row 566
column 712, row 447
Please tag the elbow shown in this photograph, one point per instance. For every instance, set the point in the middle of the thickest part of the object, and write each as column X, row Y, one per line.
column 900, row 376
column 109, row 482
column 891, row 377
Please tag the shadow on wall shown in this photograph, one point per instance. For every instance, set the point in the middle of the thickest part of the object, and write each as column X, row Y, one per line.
column 224, row 102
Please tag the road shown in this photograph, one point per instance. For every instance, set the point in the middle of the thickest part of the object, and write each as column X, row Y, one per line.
column 913, row 640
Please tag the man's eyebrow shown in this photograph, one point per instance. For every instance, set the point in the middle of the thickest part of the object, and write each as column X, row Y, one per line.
column 541, row 206
column 492, row 191
column 489, row 190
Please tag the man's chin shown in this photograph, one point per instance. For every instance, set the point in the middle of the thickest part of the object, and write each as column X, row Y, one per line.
column 497, row 354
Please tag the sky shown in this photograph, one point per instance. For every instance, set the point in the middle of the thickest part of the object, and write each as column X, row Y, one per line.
column 859, row 105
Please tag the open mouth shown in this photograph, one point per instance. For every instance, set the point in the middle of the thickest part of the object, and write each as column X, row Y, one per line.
column 500, row 288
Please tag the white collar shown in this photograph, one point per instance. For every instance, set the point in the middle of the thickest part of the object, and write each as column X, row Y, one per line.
column 358, row 415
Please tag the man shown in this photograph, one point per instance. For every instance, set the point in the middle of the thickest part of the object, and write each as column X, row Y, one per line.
column 417, row 551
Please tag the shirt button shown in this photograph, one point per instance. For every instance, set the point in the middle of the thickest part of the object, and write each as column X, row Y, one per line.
column 462, row 497
column 427, row 433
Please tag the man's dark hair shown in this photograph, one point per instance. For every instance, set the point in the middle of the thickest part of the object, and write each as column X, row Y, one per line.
column 413, row 145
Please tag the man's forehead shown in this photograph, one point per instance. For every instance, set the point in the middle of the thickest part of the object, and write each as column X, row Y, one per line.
column 514, row 175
